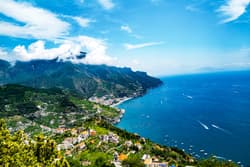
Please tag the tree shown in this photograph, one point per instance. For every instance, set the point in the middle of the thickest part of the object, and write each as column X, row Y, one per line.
column 102, row 162
column 18, row 150
column 133, row 161
column 211, row 162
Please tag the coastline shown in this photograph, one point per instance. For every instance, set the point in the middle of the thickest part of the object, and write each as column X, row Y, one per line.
column 121, row 101
column 113, row 103
column 122, row 111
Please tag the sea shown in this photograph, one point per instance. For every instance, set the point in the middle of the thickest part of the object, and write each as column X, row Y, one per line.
column 203, row 114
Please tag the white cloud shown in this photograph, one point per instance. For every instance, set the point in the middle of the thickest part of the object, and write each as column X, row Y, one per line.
column 233, row 9
column 37, row 50
column 129, row 30
column 192, row 8
column 83, row 22
column 67, row 50
column 106, row 4
column 3, row 54
column 126, row 28
column 37, row 22
column 97, row 51
column 142, row 45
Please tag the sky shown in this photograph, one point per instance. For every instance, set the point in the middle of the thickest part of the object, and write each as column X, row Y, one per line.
column 161, row 37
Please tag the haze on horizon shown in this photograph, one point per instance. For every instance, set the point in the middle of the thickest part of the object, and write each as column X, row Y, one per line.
column 158, row 36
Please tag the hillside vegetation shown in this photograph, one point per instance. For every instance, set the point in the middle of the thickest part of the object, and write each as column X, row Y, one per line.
column 51, row 127
column 87, row 80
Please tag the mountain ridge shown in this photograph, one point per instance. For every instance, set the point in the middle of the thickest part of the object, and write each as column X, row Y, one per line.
column 87, row 80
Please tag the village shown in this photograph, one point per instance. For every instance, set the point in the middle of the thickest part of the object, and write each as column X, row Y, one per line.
column 81, row 139
column 109, row 100
column 84, row 132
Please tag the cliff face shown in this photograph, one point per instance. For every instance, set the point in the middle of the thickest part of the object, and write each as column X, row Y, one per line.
column 88, row 80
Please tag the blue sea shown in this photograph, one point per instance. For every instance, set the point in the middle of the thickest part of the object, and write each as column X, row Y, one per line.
column 204, row 114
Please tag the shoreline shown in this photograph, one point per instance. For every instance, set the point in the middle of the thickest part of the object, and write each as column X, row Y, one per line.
column 113, row 103
column 122, row 111
column 121, row 101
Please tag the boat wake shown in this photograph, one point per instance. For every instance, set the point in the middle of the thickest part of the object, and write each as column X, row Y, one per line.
column 219, row 157
column 221, row 129
column 203, row 125
column 187, row 96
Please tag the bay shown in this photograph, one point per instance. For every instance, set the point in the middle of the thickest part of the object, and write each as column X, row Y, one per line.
column 204, row 114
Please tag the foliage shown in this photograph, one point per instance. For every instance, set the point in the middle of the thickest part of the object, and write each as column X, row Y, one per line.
column 35, row 110
column 102, row 162
column 133, row 161
column 48, row 107
column 120, row 132
column 18, row 150
column 88, row 80
column 211, row 162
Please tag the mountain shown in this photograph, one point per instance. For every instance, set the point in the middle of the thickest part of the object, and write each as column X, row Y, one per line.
column 88, row 80
column 75, row 133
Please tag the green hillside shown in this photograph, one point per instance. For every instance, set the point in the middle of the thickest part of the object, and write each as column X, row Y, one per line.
column 86, row 80
column 81, row 130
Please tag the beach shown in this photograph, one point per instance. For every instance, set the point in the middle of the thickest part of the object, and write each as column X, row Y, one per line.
column 121, row 101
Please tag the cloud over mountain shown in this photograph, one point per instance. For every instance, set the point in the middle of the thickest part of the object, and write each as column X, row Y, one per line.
column 31, row 22
column 68, row 50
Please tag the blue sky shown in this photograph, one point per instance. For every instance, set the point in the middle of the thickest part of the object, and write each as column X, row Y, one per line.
column 158, row 36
